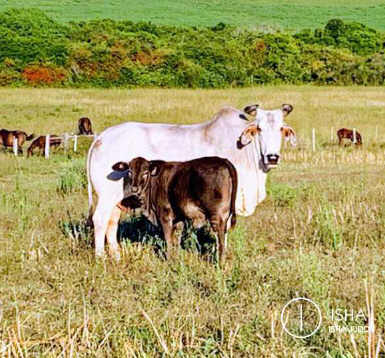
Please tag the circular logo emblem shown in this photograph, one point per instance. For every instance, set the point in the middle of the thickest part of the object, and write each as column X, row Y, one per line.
column 301, row 317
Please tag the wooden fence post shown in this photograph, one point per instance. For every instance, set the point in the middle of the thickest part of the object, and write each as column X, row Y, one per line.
column 331, row 134
column 46, row 147
column 15, row 148
column 354, row 136
column 313, row 138
column 75, row 143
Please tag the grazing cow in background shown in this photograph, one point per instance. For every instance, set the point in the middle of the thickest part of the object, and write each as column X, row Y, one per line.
column 200, row 190
column 85, row 126
column 39, row 142
column 6, row 138
column 288, row 135
column 348, row 134
column 252, row 146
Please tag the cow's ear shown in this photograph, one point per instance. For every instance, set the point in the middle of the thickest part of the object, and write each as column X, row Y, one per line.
column 251, row 131
column 154, row 167
column 248, row 135
column 120, row 166
column 286, row 109
column 251, row 110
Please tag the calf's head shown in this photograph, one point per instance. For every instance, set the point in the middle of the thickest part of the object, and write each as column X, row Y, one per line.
column 136, row 176
column 266, row 130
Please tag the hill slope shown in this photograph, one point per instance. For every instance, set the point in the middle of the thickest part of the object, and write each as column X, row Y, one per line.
column 260, row 14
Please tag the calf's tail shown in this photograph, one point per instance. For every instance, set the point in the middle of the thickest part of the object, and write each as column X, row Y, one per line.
column 234, row 181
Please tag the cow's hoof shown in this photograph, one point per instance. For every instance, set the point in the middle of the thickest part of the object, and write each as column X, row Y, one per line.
column 116, row 255
column 100, row 255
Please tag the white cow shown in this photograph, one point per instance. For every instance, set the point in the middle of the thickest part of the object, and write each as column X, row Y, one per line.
column 228, row 135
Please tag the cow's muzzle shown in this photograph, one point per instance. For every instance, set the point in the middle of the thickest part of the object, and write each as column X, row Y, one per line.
column 271, row 160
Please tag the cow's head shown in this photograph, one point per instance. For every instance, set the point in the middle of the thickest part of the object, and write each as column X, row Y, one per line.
column 266, row 131
column 136, row 176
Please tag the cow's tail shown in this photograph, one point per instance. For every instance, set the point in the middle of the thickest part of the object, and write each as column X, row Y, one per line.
column 30, row 137
column 89, row 184
column 234, row 181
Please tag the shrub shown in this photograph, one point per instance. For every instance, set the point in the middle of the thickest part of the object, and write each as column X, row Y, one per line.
column 44, row 75
column 38, row 51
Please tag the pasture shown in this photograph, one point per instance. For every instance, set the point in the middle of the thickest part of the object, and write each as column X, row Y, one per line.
column 319, row 234
column 258, row 14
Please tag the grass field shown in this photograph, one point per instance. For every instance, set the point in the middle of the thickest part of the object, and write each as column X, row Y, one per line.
column 260, row 14
column 319, row 234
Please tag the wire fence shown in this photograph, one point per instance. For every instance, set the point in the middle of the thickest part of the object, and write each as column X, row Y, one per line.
column 49, row 139
column 306, row 141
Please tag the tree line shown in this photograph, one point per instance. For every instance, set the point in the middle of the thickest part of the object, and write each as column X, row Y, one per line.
column 35, row 50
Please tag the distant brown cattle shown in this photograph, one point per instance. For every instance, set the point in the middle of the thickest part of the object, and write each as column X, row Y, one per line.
column 85, row 126
column 348, row 134
column 6, row 138
column 39, row 143
column 200, row 190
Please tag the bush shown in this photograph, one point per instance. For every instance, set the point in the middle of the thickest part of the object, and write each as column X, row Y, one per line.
column 38, row 51
column 44, row 75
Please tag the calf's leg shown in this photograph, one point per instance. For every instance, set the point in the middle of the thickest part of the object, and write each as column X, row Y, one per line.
column 218, row 225
column 169, row 232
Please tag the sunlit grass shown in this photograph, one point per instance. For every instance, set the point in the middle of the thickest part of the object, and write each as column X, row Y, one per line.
column 319, row 234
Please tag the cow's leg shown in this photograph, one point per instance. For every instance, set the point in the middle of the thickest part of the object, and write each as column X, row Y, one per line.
column 101, row 217
column 112, row 231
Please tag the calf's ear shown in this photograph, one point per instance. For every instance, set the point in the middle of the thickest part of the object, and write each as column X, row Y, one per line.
column 251, row 110
column 286, row 109
column 120, row 166
column 154, row 167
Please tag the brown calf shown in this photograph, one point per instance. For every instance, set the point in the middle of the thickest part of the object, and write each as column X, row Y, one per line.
column 85, row 126
column 348, row 134
column 200, row 190
column 6, row 138
column 39, row 143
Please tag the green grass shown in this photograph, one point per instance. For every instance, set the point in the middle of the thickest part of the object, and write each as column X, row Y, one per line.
column 319, row 234
column 260, row 14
